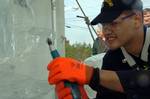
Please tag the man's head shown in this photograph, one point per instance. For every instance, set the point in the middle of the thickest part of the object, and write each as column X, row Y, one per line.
column 112, row 9
column 122, row 23
column 147, row 16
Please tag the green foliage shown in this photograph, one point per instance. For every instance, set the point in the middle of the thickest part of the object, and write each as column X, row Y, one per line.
column 79, row 51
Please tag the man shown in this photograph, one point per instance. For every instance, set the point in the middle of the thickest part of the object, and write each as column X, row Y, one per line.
column 98, row 45
column 125, row 69
column 147, row 16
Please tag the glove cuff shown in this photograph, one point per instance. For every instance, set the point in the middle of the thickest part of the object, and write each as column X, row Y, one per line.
column 95, row 80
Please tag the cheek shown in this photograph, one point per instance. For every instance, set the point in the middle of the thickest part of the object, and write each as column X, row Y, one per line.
column 125, row 36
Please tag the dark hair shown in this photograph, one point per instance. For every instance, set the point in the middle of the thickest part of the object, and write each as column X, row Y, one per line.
column 147, row 9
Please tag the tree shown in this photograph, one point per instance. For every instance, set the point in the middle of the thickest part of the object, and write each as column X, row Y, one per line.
column 79, row 51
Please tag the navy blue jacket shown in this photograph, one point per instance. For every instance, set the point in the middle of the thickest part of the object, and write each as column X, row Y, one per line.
column 136, row 83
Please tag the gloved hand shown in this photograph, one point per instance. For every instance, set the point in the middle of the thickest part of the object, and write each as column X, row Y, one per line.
column 69, row 69
column 65, row 92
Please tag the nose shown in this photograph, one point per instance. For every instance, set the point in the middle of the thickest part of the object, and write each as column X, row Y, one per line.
column 107, row 29
column 106, row 26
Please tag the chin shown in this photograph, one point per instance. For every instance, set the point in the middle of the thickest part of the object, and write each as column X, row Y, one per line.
column 113, row 46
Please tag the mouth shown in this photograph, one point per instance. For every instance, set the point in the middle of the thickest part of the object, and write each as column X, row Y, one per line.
column 110, row 38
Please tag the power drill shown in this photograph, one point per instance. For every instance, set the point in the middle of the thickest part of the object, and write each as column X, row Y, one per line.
column 74, row 87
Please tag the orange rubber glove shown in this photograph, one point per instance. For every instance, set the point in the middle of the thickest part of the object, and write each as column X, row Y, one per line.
column 65, row 92
column 69, row 69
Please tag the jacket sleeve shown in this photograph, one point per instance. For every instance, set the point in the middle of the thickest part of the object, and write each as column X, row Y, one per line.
column 135, row 81
column 94, row 49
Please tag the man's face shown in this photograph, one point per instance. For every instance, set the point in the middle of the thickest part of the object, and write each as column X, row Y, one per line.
column 120, row 32
column 147, row 17
column 98, row 32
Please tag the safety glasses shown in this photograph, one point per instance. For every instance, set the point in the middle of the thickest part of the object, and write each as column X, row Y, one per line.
column 116, row 23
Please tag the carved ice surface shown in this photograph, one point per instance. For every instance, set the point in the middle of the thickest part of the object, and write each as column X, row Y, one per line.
column 24, row 54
